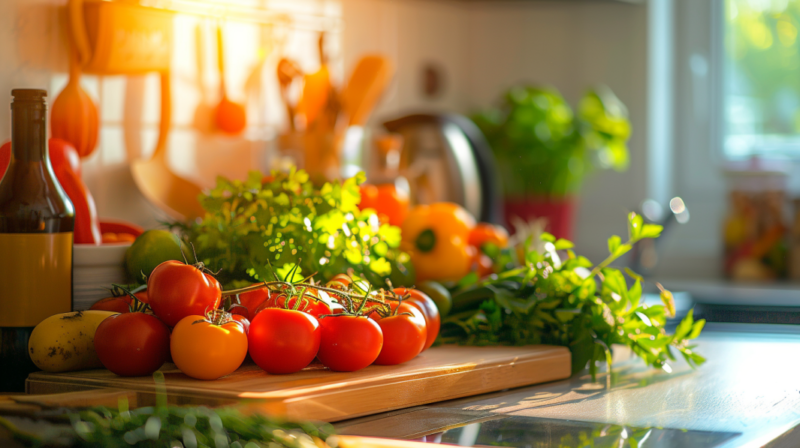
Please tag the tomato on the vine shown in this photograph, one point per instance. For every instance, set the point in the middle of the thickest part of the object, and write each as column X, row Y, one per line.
column 425, row 304
column 404, row 335
column 311, row 302
column 283, row 341
column 210, row 347
column 341, row 282
column 349, row 343
column 119, row 304
column 132, row 344
column 177, row 290
column 250, row 301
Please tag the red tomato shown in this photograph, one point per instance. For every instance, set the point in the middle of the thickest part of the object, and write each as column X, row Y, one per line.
column 283, row 341
column 404, row 335
column 428, row 307
column 249, row 301
column 349, row 343
column 480, row 262
column 177, row 290
column 119, row 304
column 132, row 344
column 242, row 320
column 311, row 303
column 340, row 281
column 208, row 349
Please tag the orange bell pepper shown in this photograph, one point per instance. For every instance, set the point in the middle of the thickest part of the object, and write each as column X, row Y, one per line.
column 436, row 236
column 389, row 203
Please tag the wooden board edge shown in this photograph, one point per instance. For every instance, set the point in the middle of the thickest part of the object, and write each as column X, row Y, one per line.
column 342, row 404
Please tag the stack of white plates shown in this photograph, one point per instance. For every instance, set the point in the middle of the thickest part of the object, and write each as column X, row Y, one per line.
column 95, row 268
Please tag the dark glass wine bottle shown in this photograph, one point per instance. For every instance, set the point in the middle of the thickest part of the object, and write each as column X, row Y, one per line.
column 36, row 224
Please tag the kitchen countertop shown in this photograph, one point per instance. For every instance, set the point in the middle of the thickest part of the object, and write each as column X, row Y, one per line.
column 747, row 394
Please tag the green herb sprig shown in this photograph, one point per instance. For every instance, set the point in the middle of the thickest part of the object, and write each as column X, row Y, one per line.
column 163, row 425
column 538, row 298
column 284, row 221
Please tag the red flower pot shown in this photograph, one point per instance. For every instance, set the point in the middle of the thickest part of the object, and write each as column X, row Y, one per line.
column 558, row 211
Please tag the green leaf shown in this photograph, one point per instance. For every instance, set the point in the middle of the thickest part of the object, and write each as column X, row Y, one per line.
column 651, row 231
column 635, row 295
column 290, row 272
column 634, row 275
column 685, row 326
column 621, row 250
column 548, row 237
column 613, row 244
column 635, row 223
column 468, row 280
column 562, row 244
column 697, row 327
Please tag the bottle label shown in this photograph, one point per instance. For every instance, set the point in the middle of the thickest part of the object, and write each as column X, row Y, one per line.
column 35, row 277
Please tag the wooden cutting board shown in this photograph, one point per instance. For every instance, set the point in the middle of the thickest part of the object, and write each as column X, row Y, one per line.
column 316, row 393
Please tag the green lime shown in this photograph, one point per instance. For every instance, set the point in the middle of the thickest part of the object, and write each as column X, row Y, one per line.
column 439, row 294
column 403, row 274
column 152, row 248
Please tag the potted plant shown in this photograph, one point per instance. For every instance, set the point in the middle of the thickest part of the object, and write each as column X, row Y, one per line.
column 544, row 150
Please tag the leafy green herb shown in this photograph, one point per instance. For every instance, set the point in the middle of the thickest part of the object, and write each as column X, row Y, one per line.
column 543, row 299
column 534, row 130
column 261, row 226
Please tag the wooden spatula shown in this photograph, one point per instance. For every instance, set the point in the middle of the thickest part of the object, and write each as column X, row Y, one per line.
column 173, row 194
column 369, row 80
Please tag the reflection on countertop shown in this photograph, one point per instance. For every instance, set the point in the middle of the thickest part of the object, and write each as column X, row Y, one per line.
column 727, row 292
column 748, row 386
column 521, row 431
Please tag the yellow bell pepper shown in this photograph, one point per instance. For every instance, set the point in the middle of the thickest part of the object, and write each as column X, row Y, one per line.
column 437, row 238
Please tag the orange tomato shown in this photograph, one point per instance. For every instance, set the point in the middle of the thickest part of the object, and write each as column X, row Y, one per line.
column 389, row 203
column 488, row 233
column 206, row 350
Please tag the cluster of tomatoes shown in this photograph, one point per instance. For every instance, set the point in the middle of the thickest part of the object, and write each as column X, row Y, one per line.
column 282, row 326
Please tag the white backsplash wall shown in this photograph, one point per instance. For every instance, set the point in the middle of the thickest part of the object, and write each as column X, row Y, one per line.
column 482, row 48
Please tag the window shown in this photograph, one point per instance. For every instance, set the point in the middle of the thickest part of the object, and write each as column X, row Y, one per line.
column 761, row 79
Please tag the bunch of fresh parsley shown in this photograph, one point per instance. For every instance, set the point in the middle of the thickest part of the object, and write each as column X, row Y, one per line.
column 541, row 299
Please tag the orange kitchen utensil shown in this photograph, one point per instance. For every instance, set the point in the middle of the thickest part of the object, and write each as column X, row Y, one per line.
column 73, row 116
column 365, row 87
column 177, row 196
column 229, row 117
column 316, row 89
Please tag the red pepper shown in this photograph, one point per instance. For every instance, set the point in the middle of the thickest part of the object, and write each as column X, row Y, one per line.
column 65, row 161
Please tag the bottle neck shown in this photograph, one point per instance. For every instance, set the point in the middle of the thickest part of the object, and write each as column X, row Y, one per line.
column 29, row 131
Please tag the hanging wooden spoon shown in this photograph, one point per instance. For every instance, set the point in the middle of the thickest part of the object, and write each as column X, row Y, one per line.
column 229, row 117
column 73, row 116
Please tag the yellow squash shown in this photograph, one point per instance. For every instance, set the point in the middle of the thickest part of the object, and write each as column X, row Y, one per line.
column 65, row 342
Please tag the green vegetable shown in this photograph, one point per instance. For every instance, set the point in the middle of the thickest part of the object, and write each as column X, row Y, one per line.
column 535, row 131
column 165, row 426
column 258, row 227
column 570, row 303
column 439, row 294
